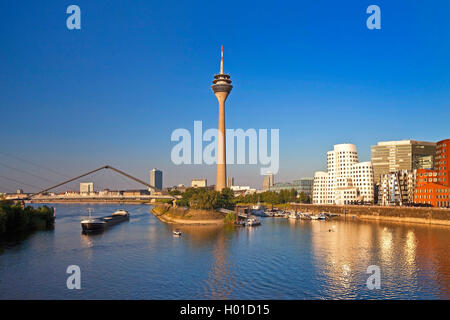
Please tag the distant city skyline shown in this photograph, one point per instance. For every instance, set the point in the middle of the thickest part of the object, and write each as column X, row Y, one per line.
column 112, row 92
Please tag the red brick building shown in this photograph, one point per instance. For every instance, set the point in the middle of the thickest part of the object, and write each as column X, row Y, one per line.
column 433, row 186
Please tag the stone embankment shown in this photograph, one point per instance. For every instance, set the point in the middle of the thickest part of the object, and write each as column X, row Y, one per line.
column 399, row 214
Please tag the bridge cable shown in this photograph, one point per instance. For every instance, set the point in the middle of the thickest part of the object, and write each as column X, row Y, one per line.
column 34, row 164
column 26, row 172
column 20, row 183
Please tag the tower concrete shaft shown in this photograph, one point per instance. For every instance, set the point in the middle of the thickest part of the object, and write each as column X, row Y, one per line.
column 221, row 88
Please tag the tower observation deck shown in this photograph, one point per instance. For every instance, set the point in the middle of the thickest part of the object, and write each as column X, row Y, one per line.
column 221, row 88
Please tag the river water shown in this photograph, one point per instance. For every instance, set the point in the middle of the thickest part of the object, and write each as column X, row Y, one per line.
column 281, row 259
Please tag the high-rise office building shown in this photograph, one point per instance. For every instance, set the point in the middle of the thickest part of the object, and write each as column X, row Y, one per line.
column 230, row 182
column 86, row 187
column 156, row 178
column 346, row 180
column 268, row 181
column 393, row 156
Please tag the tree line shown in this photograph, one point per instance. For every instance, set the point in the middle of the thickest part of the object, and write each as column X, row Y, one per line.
column 17, row 218
column 203, row 198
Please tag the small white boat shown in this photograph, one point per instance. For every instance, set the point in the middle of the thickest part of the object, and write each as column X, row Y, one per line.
column 258, row 210
column 305, row 216
column 321, row 216
column 278, row 214
column 177, row 232
column 269, row 213
column 252, row 221
column 331, row 215
column 294, row 215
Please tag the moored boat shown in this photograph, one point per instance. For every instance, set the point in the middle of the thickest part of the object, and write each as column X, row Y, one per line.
column 331, row 215
column 278, row 214
column 252, row 221
column 294, row 215
column 269, row 213
column 258, row 210
column 305, row 216
column 321, row 216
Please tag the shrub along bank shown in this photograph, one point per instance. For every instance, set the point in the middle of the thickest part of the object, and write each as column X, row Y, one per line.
column 16, row 218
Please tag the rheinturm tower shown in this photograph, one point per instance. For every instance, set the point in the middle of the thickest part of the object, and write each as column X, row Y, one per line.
column 221, row 88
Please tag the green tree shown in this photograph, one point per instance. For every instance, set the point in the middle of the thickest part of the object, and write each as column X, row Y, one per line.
column 303, row 198
column 14, row 218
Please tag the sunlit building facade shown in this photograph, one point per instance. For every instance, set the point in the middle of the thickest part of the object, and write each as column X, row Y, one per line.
column 268, row 181
column 433, row 186
column 393, row 156
column 199, row 183
column 86, row 188
column 347, row 180
column 320, row 195
column 156, row 178
column 397, row 188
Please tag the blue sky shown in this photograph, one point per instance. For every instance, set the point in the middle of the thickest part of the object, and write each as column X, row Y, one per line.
column 112, row 92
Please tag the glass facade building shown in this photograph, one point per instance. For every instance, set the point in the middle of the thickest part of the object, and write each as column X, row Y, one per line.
column 393, row 156
column 304, row 185
column 156, row 178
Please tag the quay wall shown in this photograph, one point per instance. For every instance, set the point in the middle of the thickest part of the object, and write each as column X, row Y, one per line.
column 399, row 214
column 92, row 200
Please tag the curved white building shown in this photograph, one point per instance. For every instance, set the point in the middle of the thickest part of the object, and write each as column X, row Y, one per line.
column 319, row 194
column 347, row 180
column 362, row 178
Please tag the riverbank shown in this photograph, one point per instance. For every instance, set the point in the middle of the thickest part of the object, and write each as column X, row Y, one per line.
column 82, row 201
column 398, row 214
column 186, row 216
column 17, row 219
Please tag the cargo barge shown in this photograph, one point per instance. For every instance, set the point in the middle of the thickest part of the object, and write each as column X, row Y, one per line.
column 100, row 224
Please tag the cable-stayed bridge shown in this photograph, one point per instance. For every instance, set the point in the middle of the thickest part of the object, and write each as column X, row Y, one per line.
column 41, row 195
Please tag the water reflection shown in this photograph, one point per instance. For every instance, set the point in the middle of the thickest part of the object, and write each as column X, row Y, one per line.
column 220, row 280
column 430, row 257
column 410, row 252
column 281, row 259
column 339, row 255
column 385, row 243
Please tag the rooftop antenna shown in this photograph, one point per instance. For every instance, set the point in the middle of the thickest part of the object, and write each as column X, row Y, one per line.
column 221, row 59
